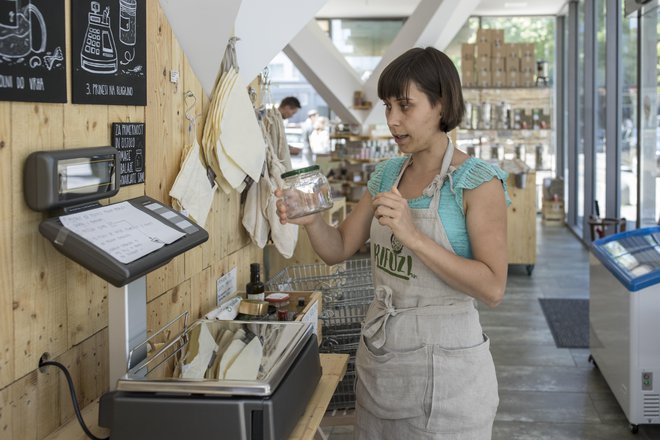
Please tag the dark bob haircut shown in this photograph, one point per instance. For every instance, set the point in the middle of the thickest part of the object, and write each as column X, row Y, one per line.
column 434, row 74
column 290, row 101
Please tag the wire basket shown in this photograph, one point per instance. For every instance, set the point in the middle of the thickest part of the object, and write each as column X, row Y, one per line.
column 322, row 277
column 345, row 296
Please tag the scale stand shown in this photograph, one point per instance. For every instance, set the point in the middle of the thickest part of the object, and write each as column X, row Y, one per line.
column 127, row 327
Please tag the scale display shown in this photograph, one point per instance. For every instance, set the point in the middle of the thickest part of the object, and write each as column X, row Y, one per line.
column 119, row 242
column 130, row 252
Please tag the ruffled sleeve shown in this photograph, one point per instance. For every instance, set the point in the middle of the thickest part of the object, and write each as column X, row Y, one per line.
column 384, row 175
column 473, row 173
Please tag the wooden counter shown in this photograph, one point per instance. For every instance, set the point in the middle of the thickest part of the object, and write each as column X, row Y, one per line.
column 334, row 368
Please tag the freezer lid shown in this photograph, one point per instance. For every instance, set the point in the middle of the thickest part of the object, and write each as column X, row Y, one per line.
column 280, row 344
column 633, row 257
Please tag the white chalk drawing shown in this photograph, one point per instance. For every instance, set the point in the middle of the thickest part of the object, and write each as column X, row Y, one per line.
column 16, row 21
column 127, row 22
column 99, row 51
column 52, row 59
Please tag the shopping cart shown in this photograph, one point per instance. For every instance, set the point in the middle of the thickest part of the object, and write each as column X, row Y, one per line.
column 347, row 291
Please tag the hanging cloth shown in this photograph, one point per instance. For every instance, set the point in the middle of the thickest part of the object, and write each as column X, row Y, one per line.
column 192, row 191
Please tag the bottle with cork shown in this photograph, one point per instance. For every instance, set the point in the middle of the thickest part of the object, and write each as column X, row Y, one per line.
column 255, row 288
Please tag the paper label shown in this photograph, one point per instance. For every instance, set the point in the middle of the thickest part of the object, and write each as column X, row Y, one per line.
column 225, row 286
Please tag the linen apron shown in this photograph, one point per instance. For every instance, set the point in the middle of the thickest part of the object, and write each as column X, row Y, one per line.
column 423, row 364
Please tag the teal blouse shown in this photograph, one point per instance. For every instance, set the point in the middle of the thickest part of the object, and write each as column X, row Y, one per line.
column 472, row 173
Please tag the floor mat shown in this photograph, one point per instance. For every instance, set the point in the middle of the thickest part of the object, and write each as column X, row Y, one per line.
column 568, row 320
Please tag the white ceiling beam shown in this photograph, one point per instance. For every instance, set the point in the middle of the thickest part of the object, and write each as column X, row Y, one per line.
column 327, row 70
column 202, row 28
column 433, row 23
column 265, row 27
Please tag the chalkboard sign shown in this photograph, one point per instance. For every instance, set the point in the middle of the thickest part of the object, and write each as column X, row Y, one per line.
column 108, row 52
column 129, row 140
column 32, row 50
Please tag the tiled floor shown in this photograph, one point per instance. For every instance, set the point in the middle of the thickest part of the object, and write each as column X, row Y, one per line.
column 545, row 392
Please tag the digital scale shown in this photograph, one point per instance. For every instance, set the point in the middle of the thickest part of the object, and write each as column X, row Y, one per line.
column 119, row 242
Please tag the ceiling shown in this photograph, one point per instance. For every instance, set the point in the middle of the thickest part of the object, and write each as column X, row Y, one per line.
column 403, row 8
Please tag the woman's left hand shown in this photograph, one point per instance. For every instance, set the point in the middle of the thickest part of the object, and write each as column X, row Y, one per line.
column 391, row 210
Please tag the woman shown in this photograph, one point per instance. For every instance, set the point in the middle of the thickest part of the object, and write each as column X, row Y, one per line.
column 436, row 219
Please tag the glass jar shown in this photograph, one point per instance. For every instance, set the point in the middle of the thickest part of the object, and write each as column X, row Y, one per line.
column 281, row 303
column 306, row 191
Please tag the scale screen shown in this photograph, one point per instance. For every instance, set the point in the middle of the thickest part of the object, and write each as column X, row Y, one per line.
column 65, row 178
column 86, row 175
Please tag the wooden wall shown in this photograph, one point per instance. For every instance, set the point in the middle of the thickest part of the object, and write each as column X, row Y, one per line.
column 49, row 304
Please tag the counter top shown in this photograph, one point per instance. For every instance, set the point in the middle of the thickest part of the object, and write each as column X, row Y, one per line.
column 334, row 368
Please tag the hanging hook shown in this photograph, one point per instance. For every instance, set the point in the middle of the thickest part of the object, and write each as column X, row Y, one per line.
column 191, row 107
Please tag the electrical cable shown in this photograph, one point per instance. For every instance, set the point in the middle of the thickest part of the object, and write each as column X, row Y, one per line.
column 74, row 399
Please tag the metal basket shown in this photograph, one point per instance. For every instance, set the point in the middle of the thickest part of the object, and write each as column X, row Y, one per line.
column 347, row 290
column 321, row 276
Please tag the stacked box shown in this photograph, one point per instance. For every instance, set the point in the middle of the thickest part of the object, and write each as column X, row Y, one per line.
column 498, row 78
column 483, row 36
column 484, row 78
column 526, row 79
column 496, row 37
column 512, row 78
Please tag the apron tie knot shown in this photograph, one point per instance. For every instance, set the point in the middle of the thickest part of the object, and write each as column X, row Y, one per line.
column 374, row 328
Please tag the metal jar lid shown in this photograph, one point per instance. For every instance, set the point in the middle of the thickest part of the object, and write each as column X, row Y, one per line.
column 300, row 171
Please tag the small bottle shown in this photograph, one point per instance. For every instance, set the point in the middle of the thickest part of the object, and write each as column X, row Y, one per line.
column 255, row 288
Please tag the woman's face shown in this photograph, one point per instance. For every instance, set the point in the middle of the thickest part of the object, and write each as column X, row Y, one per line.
column 413, row 122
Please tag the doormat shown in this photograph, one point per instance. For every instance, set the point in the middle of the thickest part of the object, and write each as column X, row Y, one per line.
column 568, row 320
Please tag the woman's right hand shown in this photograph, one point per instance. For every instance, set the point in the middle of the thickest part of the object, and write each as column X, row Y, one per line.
column 282, row 212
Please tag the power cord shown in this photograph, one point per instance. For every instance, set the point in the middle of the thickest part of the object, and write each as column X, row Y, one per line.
column 74, row 400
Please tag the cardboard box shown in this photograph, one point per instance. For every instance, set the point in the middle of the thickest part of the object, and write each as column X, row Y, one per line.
column 512, row 50
column 527, row 79
column 467, row 66
column 512, row 78
column 527, row 64
column 528, row 50
column 553, row 211
column 483, row 36
column 498, row 52
column 512, row 64
column 497, row 37
column 468, row 52
column 484, row 50
column 482, row 63
column 484, row 78
column 498, row 78
column 497, row 65
column 468, row 78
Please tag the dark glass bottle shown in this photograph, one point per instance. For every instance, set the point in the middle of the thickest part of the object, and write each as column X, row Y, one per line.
column 255, row 288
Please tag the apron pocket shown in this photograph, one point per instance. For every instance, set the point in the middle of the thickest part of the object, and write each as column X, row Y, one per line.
column 393, row 385
column 464, row 389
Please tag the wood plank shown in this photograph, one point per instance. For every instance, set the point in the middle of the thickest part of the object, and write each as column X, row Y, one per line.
column 333, row 366
column 6, row 259
column 168, row 306
column 521, row 221
column 5, row 415
column 162, row 162
column 23, row 403
column 85, row 126
column 40, row 322
column 202, row 293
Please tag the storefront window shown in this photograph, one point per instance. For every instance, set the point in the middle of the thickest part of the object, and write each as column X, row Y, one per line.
column 362, row 41
column 580, row 118
column 601, row 106
column 628, row 150
column 650, row 153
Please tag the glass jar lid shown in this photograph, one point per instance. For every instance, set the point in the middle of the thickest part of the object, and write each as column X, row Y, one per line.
column 300, row 171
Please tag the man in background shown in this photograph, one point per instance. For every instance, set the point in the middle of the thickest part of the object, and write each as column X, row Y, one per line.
column 289, row 107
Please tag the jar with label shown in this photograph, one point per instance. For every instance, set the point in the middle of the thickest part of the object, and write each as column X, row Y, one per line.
column 281, row 302
column 306, row 191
